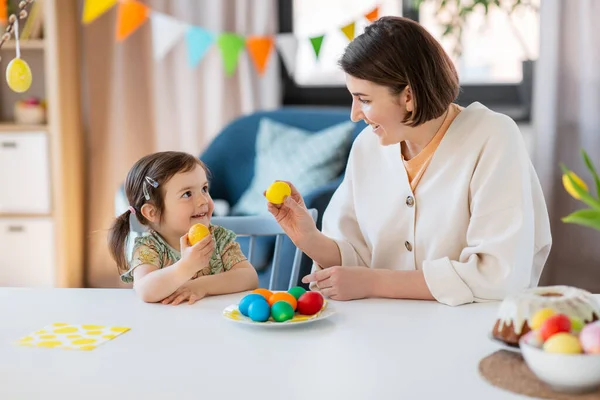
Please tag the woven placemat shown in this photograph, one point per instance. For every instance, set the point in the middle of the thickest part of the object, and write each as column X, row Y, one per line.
column 507, row 370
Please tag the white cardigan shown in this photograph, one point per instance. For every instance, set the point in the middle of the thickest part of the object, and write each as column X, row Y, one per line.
column 477, row 224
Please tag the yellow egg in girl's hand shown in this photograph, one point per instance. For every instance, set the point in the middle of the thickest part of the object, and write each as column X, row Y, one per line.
column 196, row 233
column 278, row 191
column 18, row 75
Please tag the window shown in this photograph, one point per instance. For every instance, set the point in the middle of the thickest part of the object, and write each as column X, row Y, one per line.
column 493, row 46
column 317, row 17
column 490, row 67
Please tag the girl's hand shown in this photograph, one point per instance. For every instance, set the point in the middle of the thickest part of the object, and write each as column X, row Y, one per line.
column 342, row 283
column 293, row 217
column 196, row 257
column 185, row 292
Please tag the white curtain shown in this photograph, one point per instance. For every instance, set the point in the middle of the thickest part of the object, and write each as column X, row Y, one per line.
column 567, row 118
column 192, row 105
column 135, row 105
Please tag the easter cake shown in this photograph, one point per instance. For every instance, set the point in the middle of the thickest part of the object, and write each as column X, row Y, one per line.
column 515, row 314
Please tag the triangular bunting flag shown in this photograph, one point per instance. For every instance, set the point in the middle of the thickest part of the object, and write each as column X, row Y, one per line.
column 166, row 32
column 3, row 12
column 373, row 14
column 349, row 30
column 92, row 9
column 260, row 48
column 132, row 15
column 198, row 42
column 316, row 44
column 231, row 45
column 287, row 44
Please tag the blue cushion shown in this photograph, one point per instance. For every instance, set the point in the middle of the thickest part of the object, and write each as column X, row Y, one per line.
column 283, row 152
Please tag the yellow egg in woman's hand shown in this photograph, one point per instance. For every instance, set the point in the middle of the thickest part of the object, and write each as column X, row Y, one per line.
column 18, row 75
column 277, row 192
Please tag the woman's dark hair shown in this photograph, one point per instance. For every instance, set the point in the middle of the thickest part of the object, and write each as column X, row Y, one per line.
column 148, row 176
column 397, row 52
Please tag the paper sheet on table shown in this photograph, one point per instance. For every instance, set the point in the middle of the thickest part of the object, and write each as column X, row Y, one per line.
column 71, row 337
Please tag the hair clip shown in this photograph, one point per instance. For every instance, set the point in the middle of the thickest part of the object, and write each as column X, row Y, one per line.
column 152, row 183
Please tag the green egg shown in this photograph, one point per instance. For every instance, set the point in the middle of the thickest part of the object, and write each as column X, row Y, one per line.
column 297, row 291
column 576, row 324
column 282, row 311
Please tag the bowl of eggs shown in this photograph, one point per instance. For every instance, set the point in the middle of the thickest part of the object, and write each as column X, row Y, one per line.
column 563, row 352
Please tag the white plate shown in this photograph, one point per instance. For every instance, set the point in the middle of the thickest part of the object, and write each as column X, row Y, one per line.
column 232, row 313
column 503, row 345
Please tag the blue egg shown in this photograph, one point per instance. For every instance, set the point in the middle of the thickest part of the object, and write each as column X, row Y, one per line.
column 247, row 300
column 259, row 310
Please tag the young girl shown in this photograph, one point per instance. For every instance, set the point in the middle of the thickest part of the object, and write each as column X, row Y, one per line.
column 168, row 193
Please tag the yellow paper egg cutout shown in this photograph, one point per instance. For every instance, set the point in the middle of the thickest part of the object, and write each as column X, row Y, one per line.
column 18, row 75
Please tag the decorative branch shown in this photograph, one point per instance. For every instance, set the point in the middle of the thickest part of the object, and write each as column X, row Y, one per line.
column 23, row 13
column 453, row 14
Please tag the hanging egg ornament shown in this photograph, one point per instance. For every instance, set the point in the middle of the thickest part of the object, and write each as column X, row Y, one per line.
column 18, row 75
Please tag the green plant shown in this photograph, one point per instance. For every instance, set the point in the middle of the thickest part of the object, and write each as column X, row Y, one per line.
column 577, row 188
column 453, row 15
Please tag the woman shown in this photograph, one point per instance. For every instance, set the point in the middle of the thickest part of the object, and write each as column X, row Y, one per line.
column 438, row 202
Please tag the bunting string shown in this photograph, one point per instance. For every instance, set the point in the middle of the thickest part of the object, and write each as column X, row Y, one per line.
column 167, row 31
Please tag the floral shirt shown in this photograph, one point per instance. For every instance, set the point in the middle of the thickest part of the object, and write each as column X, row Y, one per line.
column 151, row 248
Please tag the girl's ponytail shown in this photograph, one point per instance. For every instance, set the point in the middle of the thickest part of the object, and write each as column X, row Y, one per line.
column 117, row 237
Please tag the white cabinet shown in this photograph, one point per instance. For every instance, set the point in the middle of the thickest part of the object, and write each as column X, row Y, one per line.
column 24, row 173
column 27, row 248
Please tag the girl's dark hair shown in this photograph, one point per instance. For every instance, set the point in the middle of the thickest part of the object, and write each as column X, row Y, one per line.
column 397, row 52
column 159, row 168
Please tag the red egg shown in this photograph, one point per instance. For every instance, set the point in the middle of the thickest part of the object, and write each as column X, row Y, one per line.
column 310, row 303
column 555, row 324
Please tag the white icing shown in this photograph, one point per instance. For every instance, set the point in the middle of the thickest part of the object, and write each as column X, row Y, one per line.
column 521, row 307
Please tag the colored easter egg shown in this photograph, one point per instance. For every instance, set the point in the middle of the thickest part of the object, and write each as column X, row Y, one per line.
column 282, row 311
column 577, row 324
column 247, row 300
column 555, row 324
column 297, row 291
column 277, row 192
column 310, row 303
column 540, row 316
column 18, row 75
column 533, row 338
column 196, row 233
column 266, row 293
column 283, row 296
column 590, row 338
column 563, row 343
column 259, row 311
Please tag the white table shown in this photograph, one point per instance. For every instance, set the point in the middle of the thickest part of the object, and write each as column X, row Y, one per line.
column 370, row 349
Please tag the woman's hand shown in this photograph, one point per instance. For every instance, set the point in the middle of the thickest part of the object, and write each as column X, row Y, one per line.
column 196, row 257
column 189, row 292
column 342, row 283
column 293, row 217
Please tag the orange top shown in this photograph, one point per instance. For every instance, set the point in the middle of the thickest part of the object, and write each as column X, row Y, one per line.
column 416, row 166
